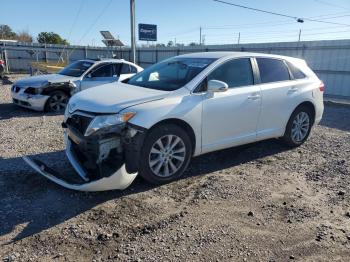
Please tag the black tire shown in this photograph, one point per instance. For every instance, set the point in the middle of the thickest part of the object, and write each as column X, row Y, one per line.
column 162, row 132
column 288, row 137
column 50, row 103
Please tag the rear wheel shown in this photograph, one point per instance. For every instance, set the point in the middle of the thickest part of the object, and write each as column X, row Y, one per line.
column 299, row 126
column 165, row 154
column 57, row 101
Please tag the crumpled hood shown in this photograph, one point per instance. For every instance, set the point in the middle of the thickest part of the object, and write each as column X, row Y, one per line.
column 41, row 80
column 112, row 98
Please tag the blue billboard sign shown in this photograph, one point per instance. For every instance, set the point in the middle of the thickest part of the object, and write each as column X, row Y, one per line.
column 147, row 32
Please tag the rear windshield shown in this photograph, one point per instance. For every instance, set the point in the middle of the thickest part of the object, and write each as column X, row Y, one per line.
column 171, row 74
column 76, row 69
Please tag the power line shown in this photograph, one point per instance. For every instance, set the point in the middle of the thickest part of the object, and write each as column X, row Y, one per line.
column 279, row 31
column 331, row 4
column 298, row 19
column 71, row 29
column 274, row 23
column 93, row 24
column 76, row 18
column 256, row 9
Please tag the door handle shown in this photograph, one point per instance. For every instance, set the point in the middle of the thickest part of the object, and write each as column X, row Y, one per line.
column 254, row 96
column 293, row 89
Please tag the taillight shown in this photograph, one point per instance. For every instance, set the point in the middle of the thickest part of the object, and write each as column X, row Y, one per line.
column 321, row 87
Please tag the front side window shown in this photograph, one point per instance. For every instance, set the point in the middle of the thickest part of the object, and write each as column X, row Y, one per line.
column 272, row 70
column 235, row 73
column 171, row 74
column 76, row 69
column 103, row 71
column 296, row 72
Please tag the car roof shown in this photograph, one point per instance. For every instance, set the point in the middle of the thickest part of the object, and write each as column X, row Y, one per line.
column 109, row 60
column 104, row 60
column 218, row 55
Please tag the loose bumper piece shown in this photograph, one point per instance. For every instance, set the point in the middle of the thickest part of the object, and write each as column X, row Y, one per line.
column 119, row 180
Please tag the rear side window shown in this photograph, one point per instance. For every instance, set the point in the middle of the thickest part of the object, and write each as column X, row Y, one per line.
column 133, row 69
column 272, row 70
column 237, row 72
column 125, row 69
column 296, row 72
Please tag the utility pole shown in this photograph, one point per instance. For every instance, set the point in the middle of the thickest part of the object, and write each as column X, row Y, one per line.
column 239, row 38
column 200, row 35
column 299, row 35
column 132, row 24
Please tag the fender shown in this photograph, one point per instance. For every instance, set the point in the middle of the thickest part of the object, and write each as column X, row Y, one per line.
column 65, row 87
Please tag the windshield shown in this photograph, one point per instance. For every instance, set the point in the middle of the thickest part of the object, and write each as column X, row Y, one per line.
column 76, row 69
column 170, row 74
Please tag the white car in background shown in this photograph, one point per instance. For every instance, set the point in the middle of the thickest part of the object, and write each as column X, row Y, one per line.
column 51, row 92
column 180, row 108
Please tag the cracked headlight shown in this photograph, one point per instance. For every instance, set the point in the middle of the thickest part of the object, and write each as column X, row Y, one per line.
column 108, row 121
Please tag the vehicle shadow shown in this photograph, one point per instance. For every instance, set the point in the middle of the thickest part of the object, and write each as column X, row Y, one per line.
column 10, row 110
column 336, row 116
column 27, row 198
column 6, row 81
column 32, row 200
column 234, row 156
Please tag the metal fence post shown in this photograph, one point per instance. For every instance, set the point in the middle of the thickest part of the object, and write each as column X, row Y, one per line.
column 86, row 52
column 156, row 55
column 6, row 61
column 303, row 51
column 138, row 56
column 45, row 54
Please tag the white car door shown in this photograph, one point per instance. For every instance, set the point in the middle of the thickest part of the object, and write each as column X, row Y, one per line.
column 230, row 118
column 279, row 97
column 103, row 74
column 127, row 71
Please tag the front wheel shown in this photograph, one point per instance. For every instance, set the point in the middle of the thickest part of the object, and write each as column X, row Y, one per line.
column 57, row 101
column 165, row 155
column 298, row 127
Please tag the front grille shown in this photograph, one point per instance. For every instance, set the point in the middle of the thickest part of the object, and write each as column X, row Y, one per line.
column 79, row 122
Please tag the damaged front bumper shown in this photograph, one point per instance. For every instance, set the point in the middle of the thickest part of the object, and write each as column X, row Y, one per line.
column 103, row 162
column 35, row 102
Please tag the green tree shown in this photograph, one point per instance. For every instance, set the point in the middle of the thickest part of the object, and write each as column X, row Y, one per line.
column 51, row 38
column 7, row 33
column 170, row 43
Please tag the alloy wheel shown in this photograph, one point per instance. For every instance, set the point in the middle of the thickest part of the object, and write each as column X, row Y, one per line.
column 167, row 155
column 300, row 127
column 58, row 102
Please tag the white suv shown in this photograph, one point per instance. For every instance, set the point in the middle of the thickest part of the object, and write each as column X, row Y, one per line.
column 184, row 107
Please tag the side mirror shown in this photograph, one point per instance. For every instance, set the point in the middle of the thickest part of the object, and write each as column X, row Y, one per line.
column 217, row 86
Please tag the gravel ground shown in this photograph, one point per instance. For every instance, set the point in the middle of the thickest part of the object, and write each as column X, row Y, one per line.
column 262, row 202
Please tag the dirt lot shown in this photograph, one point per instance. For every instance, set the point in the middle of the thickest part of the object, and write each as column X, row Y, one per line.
column 262, row 202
